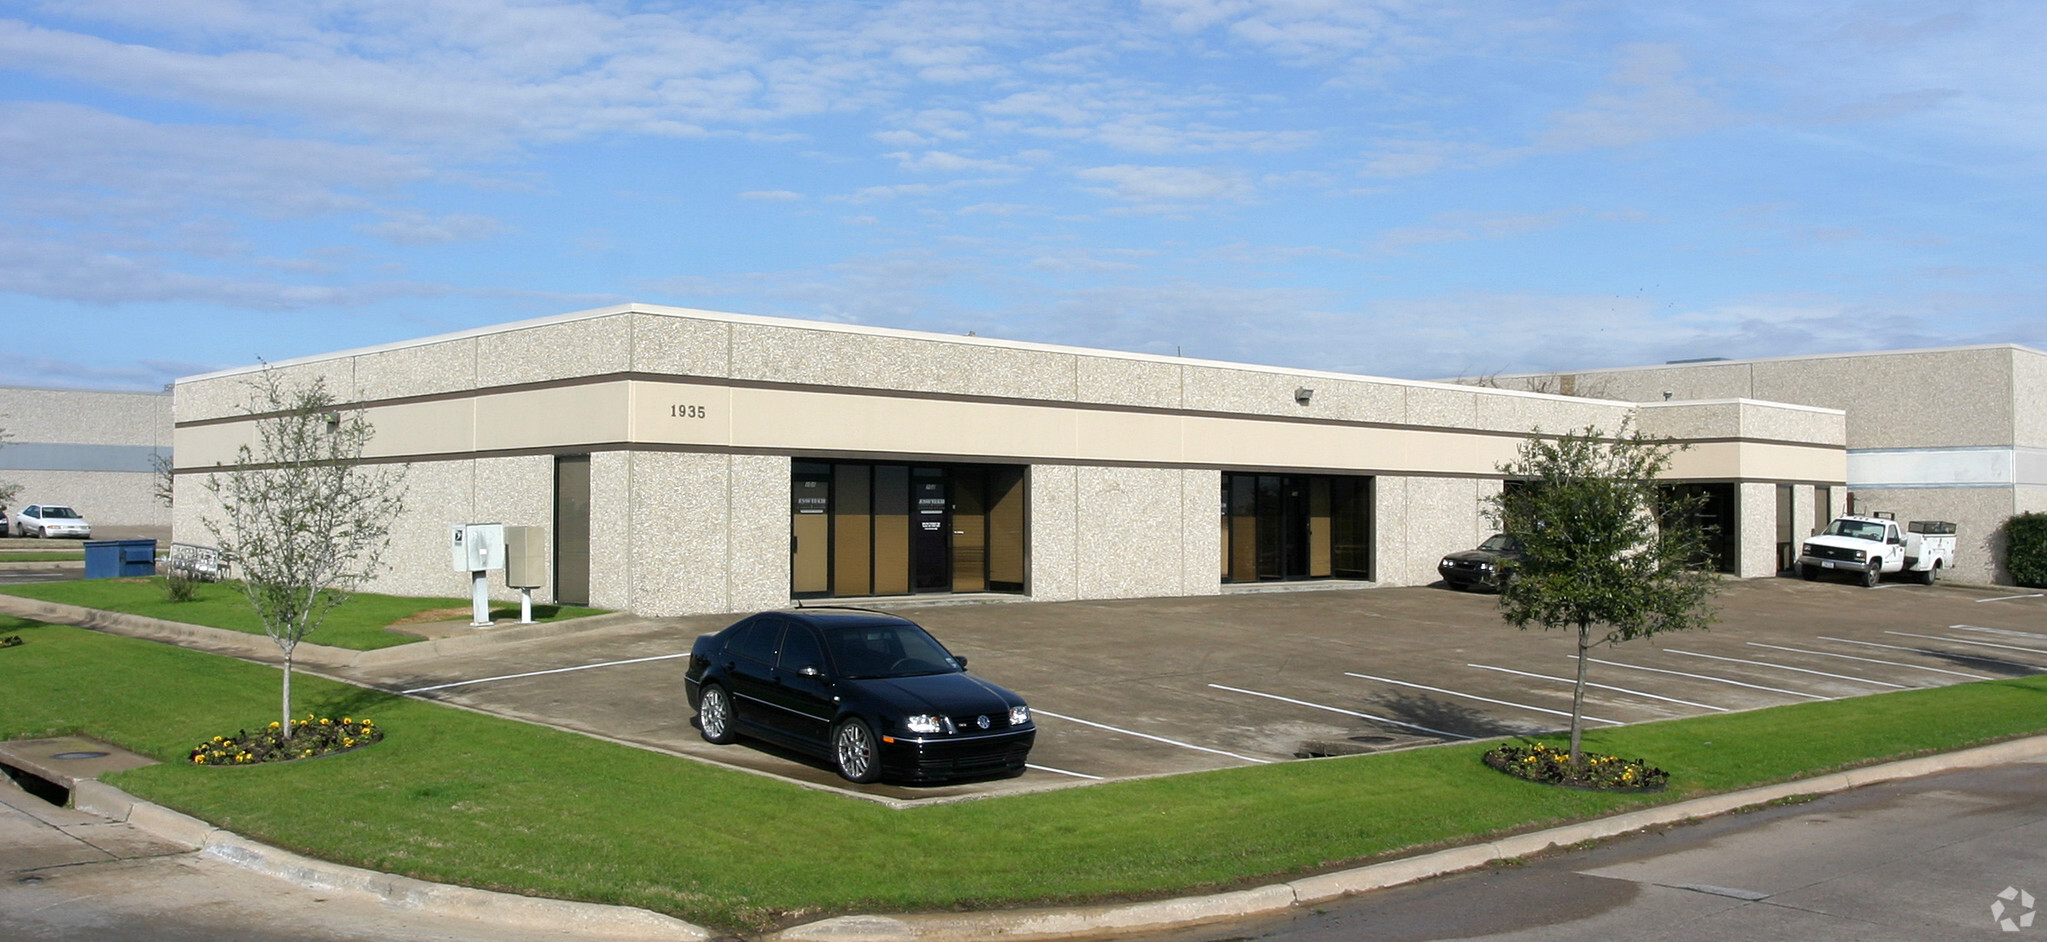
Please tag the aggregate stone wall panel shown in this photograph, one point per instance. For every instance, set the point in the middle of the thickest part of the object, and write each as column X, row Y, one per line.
column 611, row 541
column 681, row 346
column 882, row 361
column 1978, row 513
column 1201, row 561
column 421, row 369
column 1133, row 535
column 1392, row 553
column 2029, row 391
column 1904, row 400
column 81, row 417
column 1756, row 540
column 1523, row 413
column 515, row 491
column 584, row 346
column 1442, row 407
column 758, row 568
column 680, row 531
column 104, row 499
column 437, row 494
column 1700, row 381
column 1127, row 381
column 1054, row 546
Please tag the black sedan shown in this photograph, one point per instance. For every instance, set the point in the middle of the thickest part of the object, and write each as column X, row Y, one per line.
column 1481, row 568
column 873, row 694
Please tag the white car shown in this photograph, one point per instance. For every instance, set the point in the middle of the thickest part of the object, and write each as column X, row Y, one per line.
column 47, row 520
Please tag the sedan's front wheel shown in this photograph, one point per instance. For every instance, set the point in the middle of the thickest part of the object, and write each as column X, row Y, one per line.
column 714, row 714
column 854, row 753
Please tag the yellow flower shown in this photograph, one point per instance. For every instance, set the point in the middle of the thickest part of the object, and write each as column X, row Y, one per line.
column 199, row 760
column 273, row 724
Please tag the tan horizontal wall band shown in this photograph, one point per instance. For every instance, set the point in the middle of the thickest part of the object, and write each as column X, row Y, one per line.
column 761, row 419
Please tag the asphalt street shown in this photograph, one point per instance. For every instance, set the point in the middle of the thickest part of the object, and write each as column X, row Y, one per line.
column 1912, row 860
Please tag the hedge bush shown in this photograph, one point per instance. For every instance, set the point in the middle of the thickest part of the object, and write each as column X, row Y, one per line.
column 2026, row 549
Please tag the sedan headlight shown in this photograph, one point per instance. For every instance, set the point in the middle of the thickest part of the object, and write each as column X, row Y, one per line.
column 1019, row 715
column 924, row 723
column 1485, row 567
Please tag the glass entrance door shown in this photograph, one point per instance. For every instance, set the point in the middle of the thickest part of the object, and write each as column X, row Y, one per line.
column 931, row 529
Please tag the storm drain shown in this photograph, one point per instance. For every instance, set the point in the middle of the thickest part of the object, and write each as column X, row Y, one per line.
column 52, row 792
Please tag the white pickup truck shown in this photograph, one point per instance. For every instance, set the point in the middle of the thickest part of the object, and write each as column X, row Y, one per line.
column 1869, row 547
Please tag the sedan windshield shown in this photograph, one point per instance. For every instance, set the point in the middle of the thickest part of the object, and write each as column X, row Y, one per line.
column 887, row 651
column 60, row 513
column 1500, row 543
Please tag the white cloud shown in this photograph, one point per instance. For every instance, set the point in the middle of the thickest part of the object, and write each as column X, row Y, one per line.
column 1647, row 99
column 1166, row 186
column 413, row 228
column 779, row 196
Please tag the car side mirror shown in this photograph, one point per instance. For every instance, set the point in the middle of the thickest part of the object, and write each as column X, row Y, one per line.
column 960, row 660
column 809, row 671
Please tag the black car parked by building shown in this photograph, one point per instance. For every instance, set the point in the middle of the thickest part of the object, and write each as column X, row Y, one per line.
column 872, row 694
column 1481, row 568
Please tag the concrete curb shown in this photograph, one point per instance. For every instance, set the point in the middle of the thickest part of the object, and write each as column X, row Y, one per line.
column 255, row 647
column 1114, row 920
column 530, row 913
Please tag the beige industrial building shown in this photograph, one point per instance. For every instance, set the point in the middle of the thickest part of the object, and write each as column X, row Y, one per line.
column 87, row 449
column 1956, row 433
column 687, row 461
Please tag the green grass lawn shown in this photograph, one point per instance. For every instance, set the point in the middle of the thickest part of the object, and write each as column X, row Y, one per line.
column 460, row 797
column 43, row 556
column 360, row 624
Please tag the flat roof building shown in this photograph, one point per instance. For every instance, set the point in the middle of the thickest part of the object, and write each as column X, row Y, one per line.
column 687, row 461
column 1956, row 433
column 88, row 449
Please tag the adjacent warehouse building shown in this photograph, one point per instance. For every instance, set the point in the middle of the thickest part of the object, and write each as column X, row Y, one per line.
column 1957, row 433
column 88, row 449
column 685, row 461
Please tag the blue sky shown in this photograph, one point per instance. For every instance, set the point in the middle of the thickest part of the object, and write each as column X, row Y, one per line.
column 1395, row 188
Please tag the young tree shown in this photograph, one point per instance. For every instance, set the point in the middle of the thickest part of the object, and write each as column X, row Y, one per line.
column 1603, row 547
column 304, row 519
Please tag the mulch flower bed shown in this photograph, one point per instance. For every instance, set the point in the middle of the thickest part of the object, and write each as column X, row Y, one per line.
column 1537, row 762
column 11, row 641
column 310, row 738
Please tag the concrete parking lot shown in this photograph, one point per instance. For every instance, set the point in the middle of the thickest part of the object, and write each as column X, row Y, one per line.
column 1159, row 686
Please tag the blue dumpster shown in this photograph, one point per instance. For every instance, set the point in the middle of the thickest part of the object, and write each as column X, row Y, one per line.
column 107, row 559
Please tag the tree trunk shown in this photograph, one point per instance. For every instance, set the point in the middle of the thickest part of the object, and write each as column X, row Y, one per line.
column 1578, row 698
column 285, row 730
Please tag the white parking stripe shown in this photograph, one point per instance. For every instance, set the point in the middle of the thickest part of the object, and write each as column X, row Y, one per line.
column 1717, row 680
column 1980, row 644
column 1473, row 696
column 1132, row 732
column 1787, row 667
column 1851, row 657
column 558, row 670
column 1567, row 680
column 2007, row 598
column 1900, row 647
column 1047, row 768
column 1318, row 706
column 2008, row 632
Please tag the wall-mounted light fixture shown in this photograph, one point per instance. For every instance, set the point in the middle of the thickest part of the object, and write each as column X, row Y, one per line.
column 1302, row 394
column 1666, row 395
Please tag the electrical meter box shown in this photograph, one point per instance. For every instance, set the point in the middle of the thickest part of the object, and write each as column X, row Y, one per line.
column 475, row 547
column 525, row 557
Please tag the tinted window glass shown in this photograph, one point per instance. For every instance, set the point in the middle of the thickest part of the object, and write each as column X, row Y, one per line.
column 800, row 650
column 888, row 651
column 756, row 640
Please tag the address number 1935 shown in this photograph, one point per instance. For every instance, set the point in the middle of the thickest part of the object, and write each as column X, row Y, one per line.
column 688, row 412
